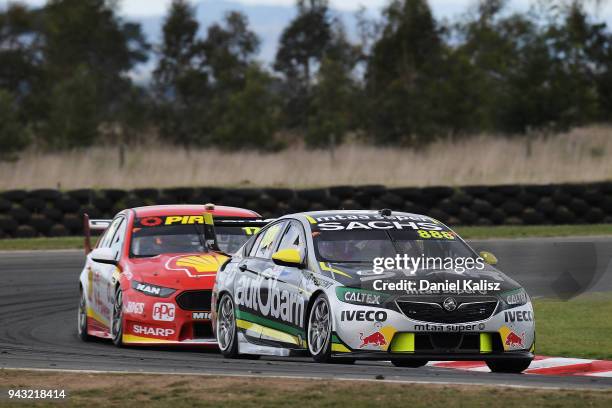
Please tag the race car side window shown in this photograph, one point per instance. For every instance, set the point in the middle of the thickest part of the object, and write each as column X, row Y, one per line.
column 110, row 233
column 293, row 237
column 264, row 245
column 117, row 241
column 255, row 245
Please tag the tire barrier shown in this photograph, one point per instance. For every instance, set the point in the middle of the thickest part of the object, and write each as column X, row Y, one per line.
column 48, row 212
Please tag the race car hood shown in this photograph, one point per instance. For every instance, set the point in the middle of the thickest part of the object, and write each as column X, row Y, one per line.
column 362, row 275
column 178, row 271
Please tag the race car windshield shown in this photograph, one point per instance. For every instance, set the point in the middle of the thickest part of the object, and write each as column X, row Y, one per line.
column 180, row 239
column 364, row 246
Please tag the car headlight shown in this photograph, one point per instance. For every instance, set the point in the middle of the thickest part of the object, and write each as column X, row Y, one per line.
column 360, row 296
column 152, row 290
column 516, row 297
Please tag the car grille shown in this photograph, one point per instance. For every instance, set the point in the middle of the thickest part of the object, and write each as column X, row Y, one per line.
column 195, row 300
column 453, row 342
column 202, row 331
column 435, row 313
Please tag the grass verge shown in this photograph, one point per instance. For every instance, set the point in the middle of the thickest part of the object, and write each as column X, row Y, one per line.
column 538, row 231
column 576, row 328
column 116, row 390
column 534, row 231
column 19, row 244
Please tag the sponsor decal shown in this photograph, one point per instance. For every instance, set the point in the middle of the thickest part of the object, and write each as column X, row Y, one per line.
column 363, row 316
column 164, row 312
column 518, row 316
column 362, row 217
column 374, row 339
column 152, row 331
column 134, row 308
column 200, row 315
column 518, row 297
column 512, row 340
column 196, row 266
column 150, row 289
column 380, row 337
column 352, row 296
column 456, row 328
column 265, row 296
column 378, row 225
column 169, row 220
column 150, row 221
column 251, row 230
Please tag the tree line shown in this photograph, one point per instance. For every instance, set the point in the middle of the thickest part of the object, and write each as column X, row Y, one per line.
column 406, row 79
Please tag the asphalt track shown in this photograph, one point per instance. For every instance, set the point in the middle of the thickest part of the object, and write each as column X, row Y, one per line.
column 39, row 297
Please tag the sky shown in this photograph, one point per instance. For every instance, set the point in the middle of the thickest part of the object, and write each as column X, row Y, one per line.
column 148, row 8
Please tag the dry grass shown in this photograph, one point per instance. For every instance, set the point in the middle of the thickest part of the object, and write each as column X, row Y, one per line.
column 115, row 390
column 580, row 155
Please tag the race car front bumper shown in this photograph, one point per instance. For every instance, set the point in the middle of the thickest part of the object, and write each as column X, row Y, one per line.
column 379, row 355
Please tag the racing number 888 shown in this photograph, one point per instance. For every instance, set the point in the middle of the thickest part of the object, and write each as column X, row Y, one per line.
column 435, row 234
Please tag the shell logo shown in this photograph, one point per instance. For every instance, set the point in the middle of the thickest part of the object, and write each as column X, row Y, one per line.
column 196, row 266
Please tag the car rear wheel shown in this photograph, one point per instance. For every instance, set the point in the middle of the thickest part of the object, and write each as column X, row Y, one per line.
column 117, row 323
column 409, row 363
column 227, row 334
column 320, row 330
column 82, row 319
column 509, row 366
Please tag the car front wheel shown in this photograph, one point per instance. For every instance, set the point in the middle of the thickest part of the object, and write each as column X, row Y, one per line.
column 320, row 330
column 509, row 366
column 82, row 319
column 227, row 335
column 117, row 323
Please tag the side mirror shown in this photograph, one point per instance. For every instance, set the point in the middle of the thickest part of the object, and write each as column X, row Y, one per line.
column 488, row 257
column 288, row 257
column 103, row 255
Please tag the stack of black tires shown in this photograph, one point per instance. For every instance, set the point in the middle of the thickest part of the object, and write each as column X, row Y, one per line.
column 48, row 212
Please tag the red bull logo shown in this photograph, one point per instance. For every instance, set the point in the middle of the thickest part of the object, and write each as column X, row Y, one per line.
column 514, row 340
column 374, row 339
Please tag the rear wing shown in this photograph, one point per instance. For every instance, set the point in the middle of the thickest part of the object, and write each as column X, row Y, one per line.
column 92, row 225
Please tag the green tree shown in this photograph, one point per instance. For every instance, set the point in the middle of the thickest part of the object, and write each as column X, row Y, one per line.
column 301, row 48
column 333, row 105
column 181, row 82
column 74, row 117
column 20, row 42
column 230, row 50
column 13, row 136
column 248, row 118
column 86, row 39
column 401, row 74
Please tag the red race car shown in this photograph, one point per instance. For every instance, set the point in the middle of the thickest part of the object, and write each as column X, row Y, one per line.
column 150, row 276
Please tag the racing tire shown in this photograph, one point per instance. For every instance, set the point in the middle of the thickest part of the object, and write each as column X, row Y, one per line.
column 82, row 319
column 117, row 322
column 226, row 331
column 515, row 366
column 319, row 331
column 409, row 363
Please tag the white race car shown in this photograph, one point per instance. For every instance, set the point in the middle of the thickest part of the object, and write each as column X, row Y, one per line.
column 333, row 284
